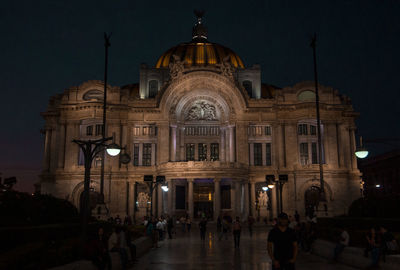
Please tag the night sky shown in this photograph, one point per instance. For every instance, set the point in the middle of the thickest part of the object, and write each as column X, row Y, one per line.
column 48, row 46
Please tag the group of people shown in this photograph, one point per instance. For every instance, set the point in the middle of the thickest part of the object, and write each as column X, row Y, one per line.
column 101, row 246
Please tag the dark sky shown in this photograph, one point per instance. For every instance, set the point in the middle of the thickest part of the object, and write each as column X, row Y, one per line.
column 47, row 46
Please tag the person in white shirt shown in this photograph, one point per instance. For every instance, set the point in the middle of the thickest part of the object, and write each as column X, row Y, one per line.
column 343, row 242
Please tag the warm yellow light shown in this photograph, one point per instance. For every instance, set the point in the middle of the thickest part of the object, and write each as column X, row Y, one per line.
column 209, row 196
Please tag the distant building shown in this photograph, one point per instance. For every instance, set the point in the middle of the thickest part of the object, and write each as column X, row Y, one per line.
column 381, row 174
column 206, row 122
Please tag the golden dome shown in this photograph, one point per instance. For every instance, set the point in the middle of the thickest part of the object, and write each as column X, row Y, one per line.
column 199, row 54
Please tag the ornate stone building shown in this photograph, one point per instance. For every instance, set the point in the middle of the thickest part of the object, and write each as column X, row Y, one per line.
column 207, row 123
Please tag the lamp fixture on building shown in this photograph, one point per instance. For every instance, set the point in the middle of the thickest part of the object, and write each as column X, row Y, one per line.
column 361, row 152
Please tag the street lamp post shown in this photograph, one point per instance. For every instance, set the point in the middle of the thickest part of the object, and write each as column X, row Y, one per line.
column 321, row 172
column 90, row 149
column 272, row 182
column 149, row 179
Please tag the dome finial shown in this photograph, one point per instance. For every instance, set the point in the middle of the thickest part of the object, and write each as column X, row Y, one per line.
column 199, row 33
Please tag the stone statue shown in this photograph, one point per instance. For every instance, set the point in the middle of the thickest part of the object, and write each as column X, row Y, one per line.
column 262, row 198
column 176, row 68
column 226, row 67
column 143, row 198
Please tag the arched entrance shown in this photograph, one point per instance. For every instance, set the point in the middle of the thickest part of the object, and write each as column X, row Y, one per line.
column 311, row 200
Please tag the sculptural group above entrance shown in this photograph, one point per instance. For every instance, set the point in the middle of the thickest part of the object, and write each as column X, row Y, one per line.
column 201, row 110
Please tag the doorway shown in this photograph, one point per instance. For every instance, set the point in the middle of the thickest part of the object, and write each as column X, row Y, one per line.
column 203, row 198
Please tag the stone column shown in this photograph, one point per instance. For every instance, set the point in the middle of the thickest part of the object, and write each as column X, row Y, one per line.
column 159, row 201
column 222, row 154
column 173, row 144
column 71, row 149
column 61, row 147
column 190, row 197
column 233, row 198
column 170, row 196
column 182, row 143
column 47, row 139
column 227, row 150
column 246, row 200
column 353, row 157
column 131, row 200
column 231, row 144
column 162, row 143
column 140, row 154
column 217, row 198
column 253, row 198
column 251, row 154
column 237, row 198
column 274, row 202
column 153, row 154
column 264, row 154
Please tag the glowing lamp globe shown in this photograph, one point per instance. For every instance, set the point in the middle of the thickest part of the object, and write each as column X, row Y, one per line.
column 361, row 153
column 113, row 149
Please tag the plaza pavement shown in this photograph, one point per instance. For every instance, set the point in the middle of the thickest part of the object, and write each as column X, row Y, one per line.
column 186, row 252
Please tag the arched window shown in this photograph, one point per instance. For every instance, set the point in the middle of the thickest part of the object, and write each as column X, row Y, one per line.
column 248, row 86
column 306, row 95
column 153, row 88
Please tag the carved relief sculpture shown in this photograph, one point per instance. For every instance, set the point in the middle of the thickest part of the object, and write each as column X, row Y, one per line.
column 202, row 110
column 143, row 198
column 176, row 68
column 262, row 198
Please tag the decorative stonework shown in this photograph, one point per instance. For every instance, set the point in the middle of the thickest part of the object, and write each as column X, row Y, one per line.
column 176, row 68
column 143, row 198
column 201, row 110
column 226, row 67
column 262, row 198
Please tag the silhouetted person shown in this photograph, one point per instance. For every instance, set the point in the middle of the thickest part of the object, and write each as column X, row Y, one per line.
column 250, row 222
column 237, row 227
column 282, row 245
column 203, row 228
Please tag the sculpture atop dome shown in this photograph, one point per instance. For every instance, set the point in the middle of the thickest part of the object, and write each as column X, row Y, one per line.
column 199, row 33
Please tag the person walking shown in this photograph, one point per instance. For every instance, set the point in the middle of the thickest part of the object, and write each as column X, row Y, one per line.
column 343, row 242
column 282, row 245
column 203, row 228
column 250, row 222
column 237, row 227
column 188, row 224
column 170, row 225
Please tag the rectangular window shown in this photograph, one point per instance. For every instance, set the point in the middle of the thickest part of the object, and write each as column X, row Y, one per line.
column 89, row 130
column 202, row 151
column 302, row 129
column 314, row 153
column 146, row 159
column 214, row 151
column 136, row 131
column 268, row 154
column 190, row 148
column 257, row 154
column 136, row 154
column 99, row 130
column 313, row 130
column 225, row 197
column 304, row 153
column 268, row 130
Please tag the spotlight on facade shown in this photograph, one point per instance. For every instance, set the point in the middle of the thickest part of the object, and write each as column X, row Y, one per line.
column 271, row 186
column 377, row 186
column 113, row 149
column 265, row 188
column 361, row 153
column 164, row 188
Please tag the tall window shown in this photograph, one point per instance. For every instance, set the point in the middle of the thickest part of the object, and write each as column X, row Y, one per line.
column 314, row 153
column 153, row 88
column 146, row 159
column 136, row 155
column 214, row 151
column 248, row 86
column 99, row 129
column 89, row 130
column 313, row 130
column 268, row 130
column 257, row 154
column 304, row 153
column 302, row 129
column 268, row 155
column 202, row 151
column 190, row 148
